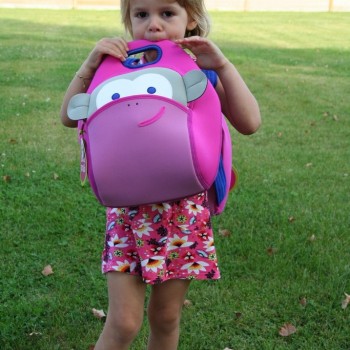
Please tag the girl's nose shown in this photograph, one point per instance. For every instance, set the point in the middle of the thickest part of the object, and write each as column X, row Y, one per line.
column 154, row 24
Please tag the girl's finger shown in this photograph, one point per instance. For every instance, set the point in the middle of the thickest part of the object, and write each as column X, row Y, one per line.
column 114, row 47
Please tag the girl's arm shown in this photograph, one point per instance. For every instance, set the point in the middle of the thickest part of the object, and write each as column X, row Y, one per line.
column 116, row 47
column 238, row 103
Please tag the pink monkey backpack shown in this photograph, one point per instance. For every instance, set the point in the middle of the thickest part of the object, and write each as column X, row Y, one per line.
column 153, row 132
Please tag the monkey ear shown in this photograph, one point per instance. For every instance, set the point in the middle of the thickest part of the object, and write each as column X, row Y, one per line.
column 78, row 106
column 196, row 83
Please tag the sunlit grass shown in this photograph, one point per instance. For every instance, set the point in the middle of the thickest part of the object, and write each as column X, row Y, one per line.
column 288, row 218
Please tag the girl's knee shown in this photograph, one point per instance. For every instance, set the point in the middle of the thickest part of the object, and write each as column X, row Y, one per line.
column 165, row 319
column 124, row 327
column 129, row 328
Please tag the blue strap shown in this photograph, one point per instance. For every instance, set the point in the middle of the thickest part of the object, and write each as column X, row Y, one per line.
column 212, row 76
column 220, row 183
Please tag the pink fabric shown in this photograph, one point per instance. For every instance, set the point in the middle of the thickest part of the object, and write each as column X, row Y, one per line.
column 162, row 241
column 175, row 148
column 124, row 156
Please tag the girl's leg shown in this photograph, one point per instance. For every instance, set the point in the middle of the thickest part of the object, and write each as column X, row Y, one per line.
column 164, row 314
column 126, row 295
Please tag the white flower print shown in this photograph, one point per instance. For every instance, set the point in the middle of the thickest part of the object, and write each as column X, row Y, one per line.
column 124, row 266
column 113, row 210
column 143, row 228
column 117, row 211
column 209, row 245
column 195, row 266
column 115, row 241
column 161, row 207
column 153, row 263
column 194, row 208
column 178, row 242
column 184, row 229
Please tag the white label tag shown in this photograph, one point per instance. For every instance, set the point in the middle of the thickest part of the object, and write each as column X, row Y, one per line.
column 83, row 162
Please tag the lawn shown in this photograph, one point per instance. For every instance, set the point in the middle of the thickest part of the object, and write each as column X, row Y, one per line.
column 285, row 259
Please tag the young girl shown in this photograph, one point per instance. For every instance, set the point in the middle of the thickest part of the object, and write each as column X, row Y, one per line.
column 165, row 245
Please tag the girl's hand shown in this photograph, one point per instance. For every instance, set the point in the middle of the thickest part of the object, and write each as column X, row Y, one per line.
column 237, row 102
column 208, row 55
column 116, row 47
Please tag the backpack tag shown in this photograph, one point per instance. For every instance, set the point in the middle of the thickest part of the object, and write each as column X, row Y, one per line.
column 83, row 162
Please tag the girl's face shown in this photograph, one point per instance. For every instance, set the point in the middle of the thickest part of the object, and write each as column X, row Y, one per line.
column 156, row 20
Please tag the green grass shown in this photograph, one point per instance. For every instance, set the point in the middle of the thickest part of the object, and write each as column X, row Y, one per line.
column 294, row 182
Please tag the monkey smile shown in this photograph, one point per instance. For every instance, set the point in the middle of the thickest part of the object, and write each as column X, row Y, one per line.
column 153, row 119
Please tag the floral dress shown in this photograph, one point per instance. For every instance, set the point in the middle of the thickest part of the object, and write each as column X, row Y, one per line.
column 162, row 241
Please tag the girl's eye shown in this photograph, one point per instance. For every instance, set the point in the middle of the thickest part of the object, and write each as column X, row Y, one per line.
column 115, row 96
column 141, row 14
column 167, row 14
column 151, row 90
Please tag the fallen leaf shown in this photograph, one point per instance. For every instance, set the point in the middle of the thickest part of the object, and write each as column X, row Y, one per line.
column 271, row 251
column 35, row 333
column 98, row 313
column 187, row 303
column 279, row 134
column 303, row 301
column 312, row 238
column 345, row 302
column 308, row 165
column 55, row 176
column 224, row 233
column 291, row 218
column 286, row 330
column 335, row 118
column 27, row 174
column 47, row 270
column 6, row 178
column 238, row 315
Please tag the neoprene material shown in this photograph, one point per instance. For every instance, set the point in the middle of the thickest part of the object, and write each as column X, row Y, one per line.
column 153, row 132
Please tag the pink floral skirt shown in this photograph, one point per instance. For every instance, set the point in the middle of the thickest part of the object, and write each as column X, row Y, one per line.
column 162, row 241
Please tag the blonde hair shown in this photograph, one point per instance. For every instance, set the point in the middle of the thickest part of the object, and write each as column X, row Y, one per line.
column 195, row 10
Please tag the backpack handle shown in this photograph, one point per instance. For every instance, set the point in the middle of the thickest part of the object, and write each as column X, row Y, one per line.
column 142, row 50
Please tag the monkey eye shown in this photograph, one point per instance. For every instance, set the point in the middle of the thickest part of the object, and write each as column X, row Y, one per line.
column 114, row 90
column 161, row 86
column 115, row 96
column 119, row 88
column 151, row 90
